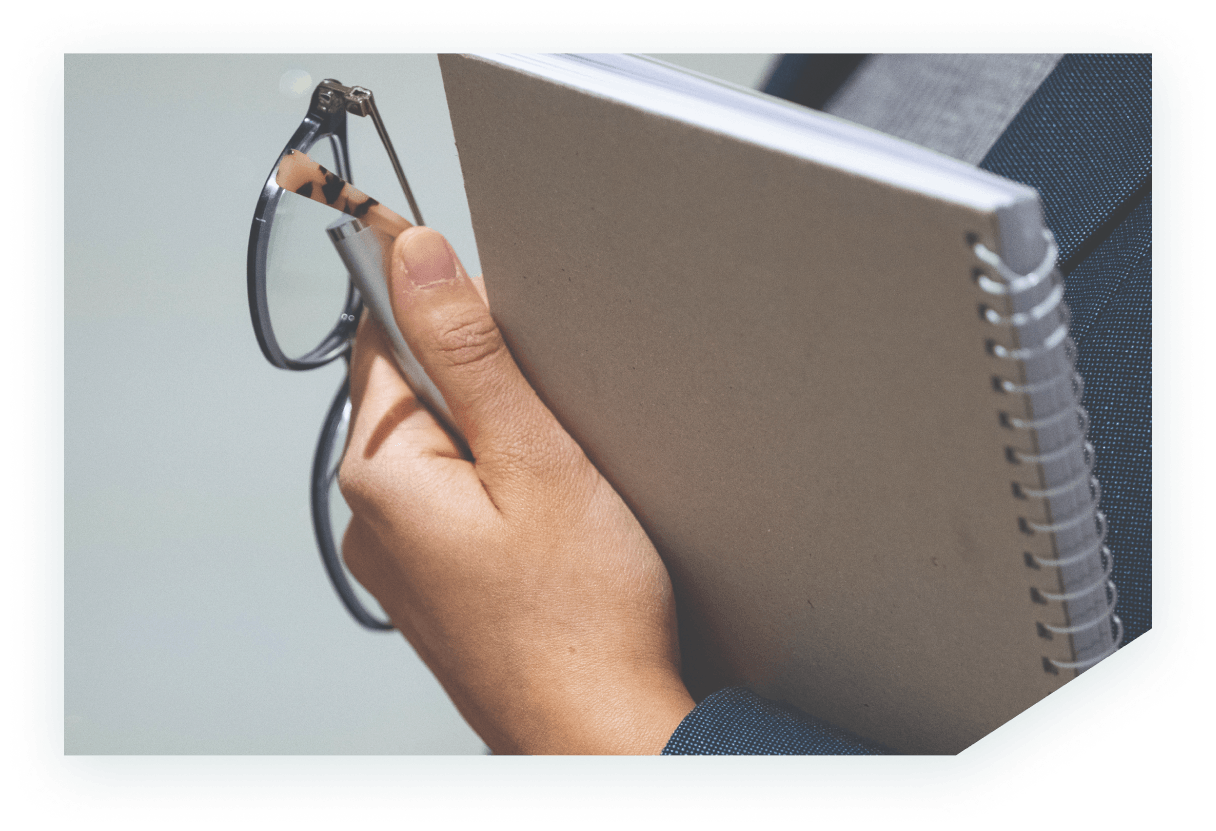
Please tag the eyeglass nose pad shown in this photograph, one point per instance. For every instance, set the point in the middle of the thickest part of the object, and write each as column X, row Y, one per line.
column 365, row 252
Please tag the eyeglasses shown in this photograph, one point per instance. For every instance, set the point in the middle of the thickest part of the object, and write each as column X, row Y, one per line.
column 293, row 274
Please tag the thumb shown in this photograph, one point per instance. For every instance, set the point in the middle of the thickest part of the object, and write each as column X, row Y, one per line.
column 448, row 327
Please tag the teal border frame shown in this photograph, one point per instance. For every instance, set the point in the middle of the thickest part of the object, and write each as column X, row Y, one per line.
column 377, row 787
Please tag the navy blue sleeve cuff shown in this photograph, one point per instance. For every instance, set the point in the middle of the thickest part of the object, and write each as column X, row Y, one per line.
column 737, row 722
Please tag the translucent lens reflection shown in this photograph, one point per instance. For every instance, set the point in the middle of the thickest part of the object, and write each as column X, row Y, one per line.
column 305, row 280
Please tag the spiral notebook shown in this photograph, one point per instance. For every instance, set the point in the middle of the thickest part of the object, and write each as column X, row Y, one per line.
column 828, row 370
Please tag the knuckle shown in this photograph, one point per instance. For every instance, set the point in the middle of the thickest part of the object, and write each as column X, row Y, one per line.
column 355, row 482
column 353, row 556
column 467, row 338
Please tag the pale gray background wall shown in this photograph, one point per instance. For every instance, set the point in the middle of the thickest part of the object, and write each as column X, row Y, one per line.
column 197, row 616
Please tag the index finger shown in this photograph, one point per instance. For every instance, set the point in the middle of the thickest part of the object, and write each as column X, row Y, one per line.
column 382, row 403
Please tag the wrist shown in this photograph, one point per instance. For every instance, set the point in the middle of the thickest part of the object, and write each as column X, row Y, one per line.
column 634, row 719
column 645, row 730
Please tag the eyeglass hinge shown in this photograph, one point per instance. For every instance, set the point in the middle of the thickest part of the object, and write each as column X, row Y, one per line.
column 359, row 101
column 331, row 97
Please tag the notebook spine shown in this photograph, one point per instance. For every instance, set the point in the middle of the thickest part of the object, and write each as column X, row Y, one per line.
column 1051, row 460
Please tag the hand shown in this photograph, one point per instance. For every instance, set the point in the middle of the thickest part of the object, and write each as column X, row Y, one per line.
column 519, row 576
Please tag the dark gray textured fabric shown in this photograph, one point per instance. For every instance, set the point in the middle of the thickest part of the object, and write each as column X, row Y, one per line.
column 737, row 722
column 1112, row 293
column 955, row 104
column 1084, row 139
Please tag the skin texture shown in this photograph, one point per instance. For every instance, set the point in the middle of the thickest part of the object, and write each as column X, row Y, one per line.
column 513, row 568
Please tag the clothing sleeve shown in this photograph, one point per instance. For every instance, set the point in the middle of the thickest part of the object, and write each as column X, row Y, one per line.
column 737, row 722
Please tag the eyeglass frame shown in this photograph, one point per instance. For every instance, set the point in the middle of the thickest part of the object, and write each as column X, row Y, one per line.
column 325, row 119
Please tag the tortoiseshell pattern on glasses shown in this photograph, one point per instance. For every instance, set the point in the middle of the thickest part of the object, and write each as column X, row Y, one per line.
column 300, row 174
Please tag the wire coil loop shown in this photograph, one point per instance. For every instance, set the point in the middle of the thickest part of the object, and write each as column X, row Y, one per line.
column 998, row 280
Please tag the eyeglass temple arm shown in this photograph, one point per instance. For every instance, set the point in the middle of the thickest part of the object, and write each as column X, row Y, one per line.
column 360, row 101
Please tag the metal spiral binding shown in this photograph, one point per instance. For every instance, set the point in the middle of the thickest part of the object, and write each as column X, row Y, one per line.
column 1054, row 349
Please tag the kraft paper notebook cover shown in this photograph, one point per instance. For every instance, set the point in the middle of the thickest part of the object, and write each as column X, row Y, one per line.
column 803, row 353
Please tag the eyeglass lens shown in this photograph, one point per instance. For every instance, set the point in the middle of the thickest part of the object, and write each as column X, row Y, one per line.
column 306, row 283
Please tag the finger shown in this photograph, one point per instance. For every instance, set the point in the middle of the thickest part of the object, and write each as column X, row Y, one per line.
column 382, row 403
column 449, row 329
column 401, row 468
